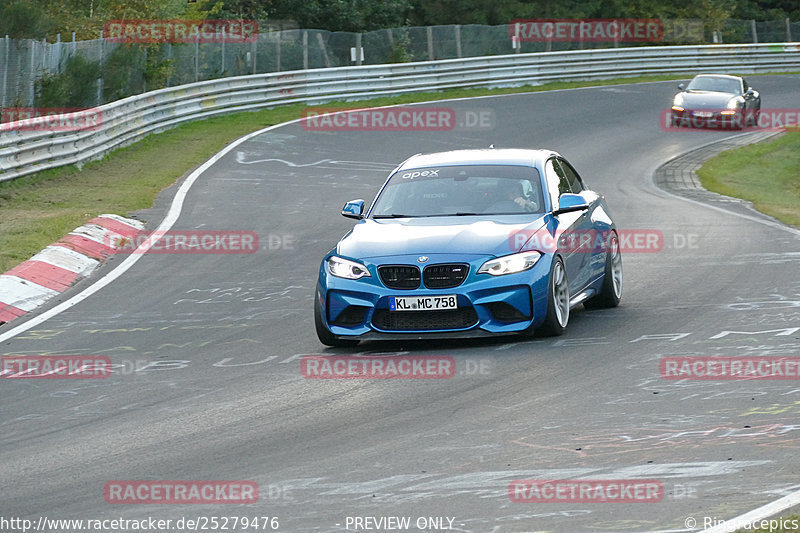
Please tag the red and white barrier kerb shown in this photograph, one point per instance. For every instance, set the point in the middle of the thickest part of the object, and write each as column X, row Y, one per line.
column 60, row 265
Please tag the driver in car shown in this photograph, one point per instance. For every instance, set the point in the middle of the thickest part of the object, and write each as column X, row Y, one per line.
column 513, row 193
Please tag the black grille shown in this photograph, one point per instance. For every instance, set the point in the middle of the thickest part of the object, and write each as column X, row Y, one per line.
column 399, row 276
column 462, row 317
column 353, row 315
column 506, row 313
column 445, row 276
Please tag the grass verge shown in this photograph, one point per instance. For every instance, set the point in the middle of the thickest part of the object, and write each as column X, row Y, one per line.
column 40, row 209
column 767, row 174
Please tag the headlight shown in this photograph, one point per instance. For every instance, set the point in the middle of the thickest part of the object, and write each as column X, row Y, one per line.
column 678, row 100
column 734, row 103
column 510, row 264
column 344, row 268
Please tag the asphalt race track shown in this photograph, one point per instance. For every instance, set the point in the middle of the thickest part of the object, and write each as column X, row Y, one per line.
column 209, row 386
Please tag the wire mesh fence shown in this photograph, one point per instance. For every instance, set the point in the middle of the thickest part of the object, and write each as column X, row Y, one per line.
column 120, row 70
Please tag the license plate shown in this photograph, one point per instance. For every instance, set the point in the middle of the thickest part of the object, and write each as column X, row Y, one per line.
column 422, row 303
column 703, row 114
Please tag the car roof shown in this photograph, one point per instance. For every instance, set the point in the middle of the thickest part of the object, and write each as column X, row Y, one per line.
column 726, row 76
column 486, row 156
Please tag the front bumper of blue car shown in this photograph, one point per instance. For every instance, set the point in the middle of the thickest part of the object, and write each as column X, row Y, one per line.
column 485, row 304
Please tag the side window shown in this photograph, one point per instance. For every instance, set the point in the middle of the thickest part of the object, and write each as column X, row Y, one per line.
column 575, row 181
column 563, row 181
column 553, row 180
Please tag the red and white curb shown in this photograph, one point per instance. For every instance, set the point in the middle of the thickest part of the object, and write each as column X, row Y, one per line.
column 57, row 267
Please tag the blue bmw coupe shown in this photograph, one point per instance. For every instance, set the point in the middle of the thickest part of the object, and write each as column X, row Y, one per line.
column 470, row 243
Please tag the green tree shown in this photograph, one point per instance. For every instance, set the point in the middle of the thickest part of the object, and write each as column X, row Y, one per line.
column 713, row 12
column 440, row 12
column 343, row 15
column 244, row 9
column 24, row 19
column 74, row 87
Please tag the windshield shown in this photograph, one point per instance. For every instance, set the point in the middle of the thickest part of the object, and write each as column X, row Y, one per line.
column 720, row 85
column 461, row 190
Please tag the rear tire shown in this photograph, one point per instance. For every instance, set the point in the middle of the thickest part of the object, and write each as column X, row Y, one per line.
column 611, row 291
column 323, row 333
column 557, row 317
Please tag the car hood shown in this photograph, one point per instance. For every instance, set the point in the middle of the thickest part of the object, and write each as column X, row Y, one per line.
column 440, row 235
column 706, row 99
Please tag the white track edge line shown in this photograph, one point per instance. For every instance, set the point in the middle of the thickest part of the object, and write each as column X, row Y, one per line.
column 760, row 513
column 793, row 499
column 172, row 216
column 177, row 204
column 753, row 218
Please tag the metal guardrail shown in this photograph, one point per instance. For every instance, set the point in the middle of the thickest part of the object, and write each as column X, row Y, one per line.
column 25, row 150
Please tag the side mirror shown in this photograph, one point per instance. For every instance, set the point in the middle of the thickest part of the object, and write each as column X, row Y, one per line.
column 681, row 86
column 571, row 202
column 354, row 209
column 750, row 91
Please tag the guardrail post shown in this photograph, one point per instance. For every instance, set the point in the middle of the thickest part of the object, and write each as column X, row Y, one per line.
column 324, row 51
column 515, row 42
column 278, row 51
column 169, row 57
column 58, row 53
column 788, row 30
column 305, row 50
column 429, row 31
column 754, row 30
column 3, row 98
column 99, row 99
column 144, row 78
column 254, row 51
column 4, row 86
column 197, row 57
column 222, row 62
column 457, row 29
column 359, row 52
column 32, row 74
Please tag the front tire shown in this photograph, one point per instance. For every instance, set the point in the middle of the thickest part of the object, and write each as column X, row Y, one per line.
column 323, row 333
column 557, row 317
column 611, row 291
column 752, row 119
